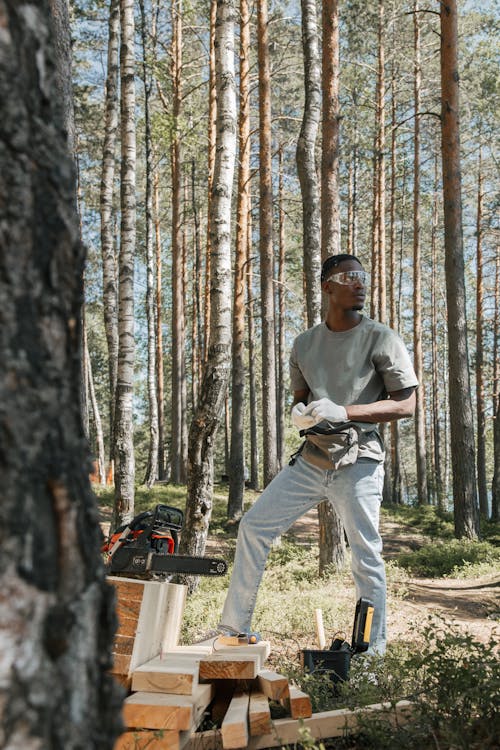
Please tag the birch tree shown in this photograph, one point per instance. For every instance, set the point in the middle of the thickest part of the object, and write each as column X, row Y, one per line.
column 306, row 162
column 124, row 451
column 208, row 414
column 109, row 264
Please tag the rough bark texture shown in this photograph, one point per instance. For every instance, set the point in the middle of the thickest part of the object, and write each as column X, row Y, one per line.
column 109, row 265
column 461, row 418
column 480, row 400
column 237, row 450
column 124, row 451
column 152, row 466
column 331, row 532
column 269, row 459
column 420, row 448
column 210, row 408
column 306, row 162
column 56, row 610
column 330, row 213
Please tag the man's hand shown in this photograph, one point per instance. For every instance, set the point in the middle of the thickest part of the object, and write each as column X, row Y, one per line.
column 325, row 409
column 299, row 420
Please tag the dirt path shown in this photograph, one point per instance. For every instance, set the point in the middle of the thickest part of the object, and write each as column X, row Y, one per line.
column 473, row 604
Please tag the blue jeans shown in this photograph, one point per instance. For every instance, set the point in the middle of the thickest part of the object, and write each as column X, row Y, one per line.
column 355, row 492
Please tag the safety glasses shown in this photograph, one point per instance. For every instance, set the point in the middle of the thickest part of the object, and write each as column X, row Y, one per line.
column 350, row 278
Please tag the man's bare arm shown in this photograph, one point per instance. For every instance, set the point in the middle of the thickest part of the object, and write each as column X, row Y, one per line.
column 398, row 405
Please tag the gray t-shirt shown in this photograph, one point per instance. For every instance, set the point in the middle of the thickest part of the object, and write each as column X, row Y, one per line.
column 358, row 366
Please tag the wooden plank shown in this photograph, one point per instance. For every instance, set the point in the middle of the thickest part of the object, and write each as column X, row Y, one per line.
column 234, row 729
column 175, row 603
column 273, row 685
column 297, row 703
column 259, row 714
column 127, row 589
column 323, row 725
column 219, row 667
column 165, row 711
column 262, row 649
column 167, row 739
column 179, row 677
column 121, row 664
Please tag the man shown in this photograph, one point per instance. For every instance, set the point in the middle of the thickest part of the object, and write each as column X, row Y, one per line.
column 347, row 374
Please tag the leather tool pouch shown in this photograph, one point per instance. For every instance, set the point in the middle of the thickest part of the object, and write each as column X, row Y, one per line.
column 330, row 449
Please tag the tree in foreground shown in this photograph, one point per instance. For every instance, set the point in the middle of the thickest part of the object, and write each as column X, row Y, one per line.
column 56, row 609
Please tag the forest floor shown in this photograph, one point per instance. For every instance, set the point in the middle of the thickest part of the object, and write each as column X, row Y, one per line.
column 472, row 604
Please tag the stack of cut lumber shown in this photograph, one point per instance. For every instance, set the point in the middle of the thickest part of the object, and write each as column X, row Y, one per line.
column 172, row 688
column 172, row 692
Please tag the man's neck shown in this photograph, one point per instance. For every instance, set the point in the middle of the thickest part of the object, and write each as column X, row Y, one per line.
column 343, row 320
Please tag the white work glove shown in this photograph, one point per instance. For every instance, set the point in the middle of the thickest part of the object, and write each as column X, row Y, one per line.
column 300, row 421
column 325, row 409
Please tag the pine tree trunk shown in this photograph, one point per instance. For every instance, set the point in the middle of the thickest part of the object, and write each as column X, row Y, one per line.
column 495, row 485
column 436, row 359
column 177, row 457
column 420, row 450
column 237, row 451
column 57, row 617
column 281, row 363
column 480, row 400
column 306, row 162
column 461, row 419
column 196, row 322
column 209, row 412
column 124, row 432
column 109, row 261
column 331, row 532
column 101, row 460
column 160, row 390
column 269, row 446
column 152, row 465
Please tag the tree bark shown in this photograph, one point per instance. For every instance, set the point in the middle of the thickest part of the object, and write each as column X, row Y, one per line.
column 420, row 449
column 178, row 456
column 237, row 450
column 331, row 531
column 57, row 616
column 109, row 261
column 269, row 446
column 210, row 408
column 152, row 465
column 306, row 162
column 461, row 420
column 330, row 212
column 124, row 452
column 480, row 400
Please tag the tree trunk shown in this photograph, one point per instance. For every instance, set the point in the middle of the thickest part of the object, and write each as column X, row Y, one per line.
column 237, row 452
column 330, row 212
column 210, row 408
column 306, row 162
column 160, row 390
column 57, row 617
column 420, row 451
column 178, row 410
column 99, row 437
column 124, row 452
column 331, row 532
column 480, row 401
column 252, row 374
column 495, row 485
column 436, row 358
column 152, row 465
column 109, row 264
column 212, row 135
column 197, row 345
column 270, row 464
column 280, row 322
column 461, row 419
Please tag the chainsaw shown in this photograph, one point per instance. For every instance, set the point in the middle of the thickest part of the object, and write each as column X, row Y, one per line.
column 147, row 548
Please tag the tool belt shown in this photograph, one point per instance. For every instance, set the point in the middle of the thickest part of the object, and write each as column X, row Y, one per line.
column 329, row 447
